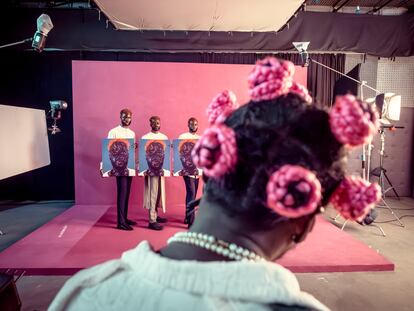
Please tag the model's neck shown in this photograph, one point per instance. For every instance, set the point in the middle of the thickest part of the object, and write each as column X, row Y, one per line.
column 212, row 221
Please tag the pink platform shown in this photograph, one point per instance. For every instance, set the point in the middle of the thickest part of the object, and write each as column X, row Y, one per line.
column 85, row 235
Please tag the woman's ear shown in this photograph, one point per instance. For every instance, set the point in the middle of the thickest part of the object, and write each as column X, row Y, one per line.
column 303, row 226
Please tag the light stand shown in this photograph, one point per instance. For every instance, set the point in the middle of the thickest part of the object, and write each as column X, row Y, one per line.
column 366, row 149
column 302, row 47
column 56, row 107
column 380, row 171
column 382, row 176
column 54, row 128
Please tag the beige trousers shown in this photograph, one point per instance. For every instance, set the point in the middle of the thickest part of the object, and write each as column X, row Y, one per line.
column 154, row 196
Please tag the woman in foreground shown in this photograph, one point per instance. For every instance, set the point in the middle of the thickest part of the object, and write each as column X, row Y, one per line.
column 271, row 165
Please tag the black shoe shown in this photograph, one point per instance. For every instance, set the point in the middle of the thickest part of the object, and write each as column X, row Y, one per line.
column 190, row 221
column 124, row 227
column 131, row 222
column 162, row 220
column 154, row 226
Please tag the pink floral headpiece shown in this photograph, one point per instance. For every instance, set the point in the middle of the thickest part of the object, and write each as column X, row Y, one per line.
column 221, row 107
column 216, row 151
column 352, row 121
column 292, row 181
column 355, row 197
column 271, row 78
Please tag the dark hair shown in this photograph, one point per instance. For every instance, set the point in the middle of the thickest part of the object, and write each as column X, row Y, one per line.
column 125, row 111
column 269, row 134
column 191, row 119
column 154, row 118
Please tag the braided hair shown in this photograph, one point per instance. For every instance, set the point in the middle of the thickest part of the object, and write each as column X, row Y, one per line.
column 269, row 134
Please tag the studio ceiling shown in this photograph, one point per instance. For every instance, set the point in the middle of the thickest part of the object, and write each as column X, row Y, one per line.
column 221, row 25
column 218, row 15
column 199, row 15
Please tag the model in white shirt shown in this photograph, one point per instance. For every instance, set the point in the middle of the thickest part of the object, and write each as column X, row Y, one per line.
column 154, row 186
column 123, row 183
column 191, row 181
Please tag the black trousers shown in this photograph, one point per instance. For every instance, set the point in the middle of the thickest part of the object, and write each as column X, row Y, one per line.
column 191, row 187
column 123, row 187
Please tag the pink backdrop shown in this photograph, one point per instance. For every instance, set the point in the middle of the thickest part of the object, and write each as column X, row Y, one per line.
column 173, row 91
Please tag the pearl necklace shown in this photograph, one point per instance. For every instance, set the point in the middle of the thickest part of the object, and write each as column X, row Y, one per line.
column 212, row 244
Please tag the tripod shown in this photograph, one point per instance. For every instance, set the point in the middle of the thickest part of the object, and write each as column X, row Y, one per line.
column 54, row 129
column 380, row 172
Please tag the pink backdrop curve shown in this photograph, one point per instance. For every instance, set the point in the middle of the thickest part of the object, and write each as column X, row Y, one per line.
column 173, row 91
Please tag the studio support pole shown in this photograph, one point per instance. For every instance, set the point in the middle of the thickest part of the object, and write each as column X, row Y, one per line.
column 16, row 43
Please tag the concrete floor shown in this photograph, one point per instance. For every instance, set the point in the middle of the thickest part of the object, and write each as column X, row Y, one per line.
column 339, row 291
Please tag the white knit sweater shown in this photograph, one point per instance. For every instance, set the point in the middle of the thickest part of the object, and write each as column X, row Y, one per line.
column 143, row 280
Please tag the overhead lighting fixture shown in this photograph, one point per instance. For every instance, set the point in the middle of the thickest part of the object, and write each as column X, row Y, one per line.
column 44, row 25
column 302, row 48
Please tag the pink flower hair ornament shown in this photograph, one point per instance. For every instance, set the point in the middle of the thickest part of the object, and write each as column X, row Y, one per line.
column 352, row 121
column 271, row 78
column 221, row 106
column 355, row 197
column 290, row 180
column 216, row 151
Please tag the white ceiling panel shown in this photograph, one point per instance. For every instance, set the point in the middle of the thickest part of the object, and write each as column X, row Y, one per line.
column 199, row 15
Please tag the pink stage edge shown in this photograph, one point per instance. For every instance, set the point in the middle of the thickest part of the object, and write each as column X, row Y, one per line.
column 84, row 236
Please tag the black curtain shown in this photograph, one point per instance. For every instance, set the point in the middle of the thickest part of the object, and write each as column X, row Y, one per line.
column 31, row 80
column 87, row 30
column 321, row 81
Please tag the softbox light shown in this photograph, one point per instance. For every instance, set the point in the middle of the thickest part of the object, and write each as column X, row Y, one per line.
column 393, row 107
column 388, row 106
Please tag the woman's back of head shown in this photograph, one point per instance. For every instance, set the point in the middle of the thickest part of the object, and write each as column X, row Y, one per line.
column 270, row 134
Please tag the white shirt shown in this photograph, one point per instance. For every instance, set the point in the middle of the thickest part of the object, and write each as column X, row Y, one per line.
column 143, row 280
column 121, row 132
column 189, row 135
column 152, row 135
